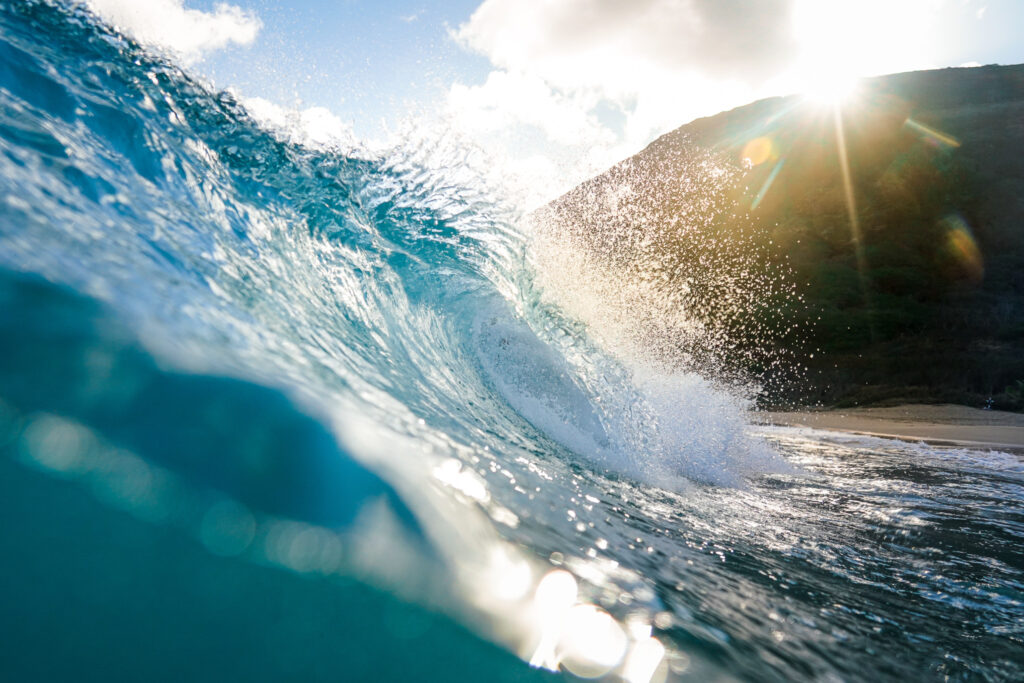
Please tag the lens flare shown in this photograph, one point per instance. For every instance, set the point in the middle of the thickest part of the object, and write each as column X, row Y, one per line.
column 767, row 184
column 758, row 151
column 961, row 245
column 934, row 137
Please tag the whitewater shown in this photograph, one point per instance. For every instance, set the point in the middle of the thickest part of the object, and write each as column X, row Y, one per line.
column 277, row 410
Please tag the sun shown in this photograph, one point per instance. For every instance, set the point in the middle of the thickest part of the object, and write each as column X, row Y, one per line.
column 840, row 41
column 829, row 34
column 831, row 88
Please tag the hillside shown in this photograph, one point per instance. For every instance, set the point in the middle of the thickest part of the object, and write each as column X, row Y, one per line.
column 901, row 278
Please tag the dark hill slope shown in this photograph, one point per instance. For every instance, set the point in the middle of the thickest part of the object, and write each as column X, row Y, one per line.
column 917, row 293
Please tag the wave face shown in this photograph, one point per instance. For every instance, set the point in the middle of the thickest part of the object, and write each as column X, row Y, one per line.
column 321, row 361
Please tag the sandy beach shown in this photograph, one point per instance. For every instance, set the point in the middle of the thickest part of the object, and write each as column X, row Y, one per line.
column 939, row 424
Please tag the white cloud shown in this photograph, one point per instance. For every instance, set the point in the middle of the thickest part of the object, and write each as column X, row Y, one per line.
column 649, row 65
column 512, row 98
column 542, row 140
column 313, row 127
column 615, row 46
column 168, row 24
column 661, row 62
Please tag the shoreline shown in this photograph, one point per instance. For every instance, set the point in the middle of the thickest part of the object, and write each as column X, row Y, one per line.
column 943, row 425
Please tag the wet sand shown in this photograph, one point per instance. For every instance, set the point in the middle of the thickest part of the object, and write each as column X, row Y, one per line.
column 938, row 424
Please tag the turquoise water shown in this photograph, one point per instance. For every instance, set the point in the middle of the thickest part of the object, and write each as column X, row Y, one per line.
column 283, row 412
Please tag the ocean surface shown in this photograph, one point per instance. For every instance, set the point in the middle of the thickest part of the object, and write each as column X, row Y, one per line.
column 275, row 410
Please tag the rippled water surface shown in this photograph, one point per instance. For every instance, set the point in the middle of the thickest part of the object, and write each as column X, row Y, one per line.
column 292, row 413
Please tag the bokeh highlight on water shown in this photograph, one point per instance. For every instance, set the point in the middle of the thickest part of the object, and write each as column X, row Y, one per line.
column 278, row 410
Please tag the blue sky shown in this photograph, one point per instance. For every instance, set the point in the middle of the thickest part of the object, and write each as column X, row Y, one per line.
column 556, row 90
column 366, row 61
